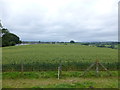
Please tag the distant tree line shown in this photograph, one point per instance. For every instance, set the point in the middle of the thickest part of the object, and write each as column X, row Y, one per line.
column 113, row 45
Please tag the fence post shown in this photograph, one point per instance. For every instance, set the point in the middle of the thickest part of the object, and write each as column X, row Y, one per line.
column 88, row 69
column 22, row 67
column 105, row 69
column 59, row 72
column 97, row 68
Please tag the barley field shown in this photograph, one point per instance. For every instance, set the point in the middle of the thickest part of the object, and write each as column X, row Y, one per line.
column 49, row 56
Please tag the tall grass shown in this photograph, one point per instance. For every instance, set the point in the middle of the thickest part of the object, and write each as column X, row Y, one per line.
column 49, row 57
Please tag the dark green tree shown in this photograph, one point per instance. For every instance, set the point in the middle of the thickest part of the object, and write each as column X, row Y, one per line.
column 9, row 39
column 4, row 31
column 72, row 41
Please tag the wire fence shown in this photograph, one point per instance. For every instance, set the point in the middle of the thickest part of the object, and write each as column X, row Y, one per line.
column 69, row 66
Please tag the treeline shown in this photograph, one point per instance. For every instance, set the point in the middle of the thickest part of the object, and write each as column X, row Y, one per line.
column 113, row 45
column 50, row 42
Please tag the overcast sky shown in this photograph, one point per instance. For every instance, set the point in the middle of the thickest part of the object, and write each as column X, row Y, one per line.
column 61, row 20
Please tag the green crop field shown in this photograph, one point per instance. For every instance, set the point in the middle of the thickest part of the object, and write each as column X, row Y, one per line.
column 50, row 56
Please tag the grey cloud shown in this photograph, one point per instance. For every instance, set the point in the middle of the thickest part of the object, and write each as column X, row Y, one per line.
column 73, row 19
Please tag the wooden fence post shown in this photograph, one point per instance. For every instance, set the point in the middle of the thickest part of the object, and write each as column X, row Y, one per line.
column 59, row 72
column 97, row 68
column 88, row 69
column 97, row 63
column 105, row 69
column 22, row 67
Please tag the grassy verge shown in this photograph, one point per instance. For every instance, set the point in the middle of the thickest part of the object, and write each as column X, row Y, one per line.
column 53, row 74
column 68, row 80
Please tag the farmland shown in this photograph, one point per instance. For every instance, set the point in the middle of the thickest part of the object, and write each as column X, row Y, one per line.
column 48, row 57
column 40, row 62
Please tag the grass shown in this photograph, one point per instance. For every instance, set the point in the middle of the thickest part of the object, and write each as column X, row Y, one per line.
column 69, row 79
column 53, row 74
column 69, row 82
column 49, row 56
column 63, row 83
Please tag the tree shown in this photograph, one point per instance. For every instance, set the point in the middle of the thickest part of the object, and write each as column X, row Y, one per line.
column 72, row 41
column 7, row 38
column 4, row 30
column 10, row 39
